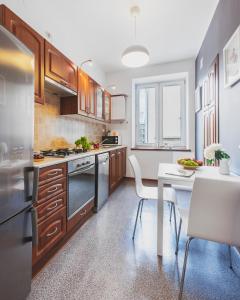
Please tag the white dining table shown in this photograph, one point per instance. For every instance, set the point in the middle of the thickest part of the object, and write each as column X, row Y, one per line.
column 165, row 179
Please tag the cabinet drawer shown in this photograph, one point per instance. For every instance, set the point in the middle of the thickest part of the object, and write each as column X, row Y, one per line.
column 50, row 232
column 80, row 216
column 47, row 209
column 51, row 190
column 51, row 173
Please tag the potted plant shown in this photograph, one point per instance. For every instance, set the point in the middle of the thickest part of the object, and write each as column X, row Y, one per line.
column 216, row 151
column 83, row 141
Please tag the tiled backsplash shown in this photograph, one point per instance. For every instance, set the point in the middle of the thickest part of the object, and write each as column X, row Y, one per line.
column 51, row 130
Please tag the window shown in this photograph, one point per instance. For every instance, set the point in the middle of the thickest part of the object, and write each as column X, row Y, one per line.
column 161, row 114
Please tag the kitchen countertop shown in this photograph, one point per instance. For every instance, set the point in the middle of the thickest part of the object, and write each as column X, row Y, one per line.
column 49, row 161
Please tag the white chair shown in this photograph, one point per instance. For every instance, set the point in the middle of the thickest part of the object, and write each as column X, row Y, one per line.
column 214, row 215
column 148, row 192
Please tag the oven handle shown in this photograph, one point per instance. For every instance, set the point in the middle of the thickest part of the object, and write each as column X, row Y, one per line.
column 81, row 171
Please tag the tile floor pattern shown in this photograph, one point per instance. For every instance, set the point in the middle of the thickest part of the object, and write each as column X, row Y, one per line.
column 100, row 262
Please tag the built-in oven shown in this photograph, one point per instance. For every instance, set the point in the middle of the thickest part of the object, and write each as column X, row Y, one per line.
column 81, row 183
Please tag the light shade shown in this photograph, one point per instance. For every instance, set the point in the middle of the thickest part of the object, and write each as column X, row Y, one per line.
column 135, row 56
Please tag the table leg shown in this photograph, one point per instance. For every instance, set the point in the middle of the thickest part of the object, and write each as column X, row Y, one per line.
column 160, row 219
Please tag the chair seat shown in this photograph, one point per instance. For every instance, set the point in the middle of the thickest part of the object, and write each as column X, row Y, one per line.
column 182, row 188
column 149, row 192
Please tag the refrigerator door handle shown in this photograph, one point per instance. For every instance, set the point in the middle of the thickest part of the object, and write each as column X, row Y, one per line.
column 31, row 196
column 34, row 226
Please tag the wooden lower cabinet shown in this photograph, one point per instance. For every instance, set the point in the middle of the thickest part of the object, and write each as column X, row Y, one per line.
column 48, row 208
column 117, row 168
column 112, row 171
column 53, row 227
column 81, row 216
column 50, row 232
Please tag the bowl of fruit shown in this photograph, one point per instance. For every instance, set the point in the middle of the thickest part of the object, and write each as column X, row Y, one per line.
column 190, row 163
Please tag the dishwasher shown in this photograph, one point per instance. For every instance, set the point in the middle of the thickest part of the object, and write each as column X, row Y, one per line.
column 102, row 180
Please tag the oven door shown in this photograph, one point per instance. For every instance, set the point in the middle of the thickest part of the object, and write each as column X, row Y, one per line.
column 81, row 189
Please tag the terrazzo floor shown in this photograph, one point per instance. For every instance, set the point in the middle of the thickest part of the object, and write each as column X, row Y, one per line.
column 100, row 262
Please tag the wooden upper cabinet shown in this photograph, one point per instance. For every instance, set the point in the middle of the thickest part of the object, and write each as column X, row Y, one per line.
column 32, row 40
column 83, row 92
column 99, row 102
column 107, row 107
column 86, row 94
column 91, row 97
column 59, row 68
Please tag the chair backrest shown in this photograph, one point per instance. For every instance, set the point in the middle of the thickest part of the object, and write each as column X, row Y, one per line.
column 137, row 173
column 215, row 210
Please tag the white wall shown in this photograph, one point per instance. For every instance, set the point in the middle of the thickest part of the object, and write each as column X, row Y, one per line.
column 149, row 160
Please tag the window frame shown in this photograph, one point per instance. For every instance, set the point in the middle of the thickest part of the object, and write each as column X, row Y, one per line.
column 159, row 140
column 137, row 124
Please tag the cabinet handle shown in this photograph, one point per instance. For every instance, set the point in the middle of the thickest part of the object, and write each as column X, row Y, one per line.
column 53, row 232
column 54, row 206
column 84, row 213
column 54, row 173
column 52, row 189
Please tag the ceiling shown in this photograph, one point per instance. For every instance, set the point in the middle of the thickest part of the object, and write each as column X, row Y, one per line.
column 102, row 29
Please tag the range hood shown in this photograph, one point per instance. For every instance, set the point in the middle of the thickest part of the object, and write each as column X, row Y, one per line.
column 56, row 88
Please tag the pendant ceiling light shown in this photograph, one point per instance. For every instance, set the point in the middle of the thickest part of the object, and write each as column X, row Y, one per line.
column 136, row 55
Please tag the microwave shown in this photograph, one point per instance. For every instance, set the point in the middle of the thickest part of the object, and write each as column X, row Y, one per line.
column 111, row 140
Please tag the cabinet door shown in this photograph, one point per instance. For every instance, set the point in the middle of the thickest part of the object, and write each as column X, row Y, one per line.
column 50, row 232
column 33, row 41
column 112, row 171
column 119, row 165
column 83, row 92
column 107, row 107
column 99, row 105
column 92, row 97
column 124, row 161
column 60, row 68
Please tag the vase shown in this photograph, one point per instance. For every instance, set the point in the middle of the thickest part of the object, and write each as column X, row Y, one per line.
column 224, row 166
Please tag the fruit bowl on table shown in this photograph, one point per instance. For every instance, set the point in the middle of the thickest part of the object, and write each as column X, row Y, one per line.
column 190, row 164
column 192, row 168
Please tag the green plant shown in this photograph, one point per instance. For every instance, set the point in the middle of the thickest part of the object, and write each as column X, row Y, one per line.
column 78, row 142
column 84, row 142
column 220, row 154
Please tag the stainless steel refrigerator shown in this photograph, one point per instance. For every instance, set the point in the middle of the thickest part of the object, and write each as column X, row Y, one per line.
column 17, row 175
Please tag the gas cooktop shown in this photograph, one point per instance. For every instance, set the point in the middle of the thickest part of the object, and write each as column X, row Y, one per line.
column 62, row 152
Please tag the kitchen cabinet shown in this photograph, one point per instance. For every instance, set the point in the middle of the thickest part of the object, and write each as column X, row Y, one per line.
column 99, row 104
column 91, row 97
column 112, row 171
column 107, row 107
column 82, row 92
column 119, row 164
column 50, row 231
column 33, row 41
column 86, row 94
column 59, row 68
column 51, row 207
column 117, row 168
column 85, row 102
column 52, row 173
column 118, row 108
